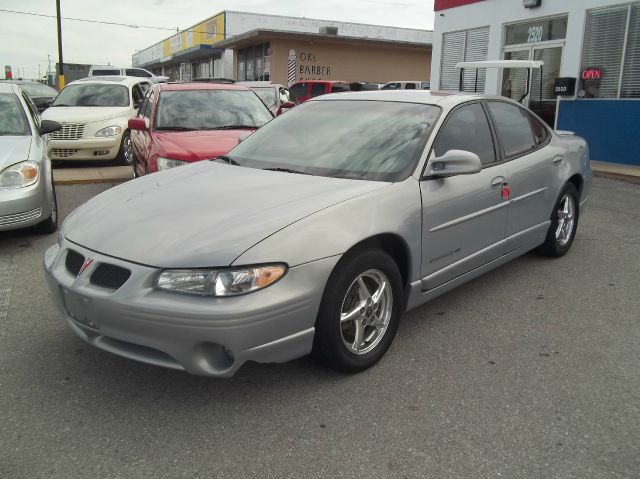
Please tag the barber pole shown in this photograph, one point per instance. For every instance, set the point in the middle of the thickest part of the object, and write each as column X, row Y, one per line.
column 291, row 77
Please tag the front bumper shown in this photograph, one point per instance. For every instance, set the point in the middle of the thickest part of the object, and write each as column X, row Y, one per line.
column 85, row 148
column 23, row 207
column 205, row 336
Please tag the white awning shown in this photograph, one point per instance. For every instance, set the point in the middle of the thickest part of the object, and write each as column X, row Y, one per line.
column 502, row 64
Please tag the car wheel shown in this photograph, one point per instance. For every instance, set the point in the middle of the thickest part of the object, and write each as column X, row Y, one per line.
column 50, row 225
column 359, row 313
column 125, row 155
column 564, row 223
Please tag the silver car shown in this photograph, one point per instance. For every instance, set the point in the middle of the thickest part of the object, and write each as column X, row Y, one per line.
column 27, row 197
column 317, row 232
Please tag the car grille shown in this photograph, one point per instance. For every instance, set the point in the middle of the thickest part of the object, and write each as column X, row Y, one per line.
column 70, row 131
column 105, row 275
column 110, row 276
column 63, row 152
column 74, row 262
column 20, row 217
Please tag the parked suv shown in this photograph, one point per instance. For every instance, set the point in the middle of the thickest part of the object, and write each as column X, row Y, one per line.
column 407, row 85
column 304, row 90
column 98, row 70
column 94, row 114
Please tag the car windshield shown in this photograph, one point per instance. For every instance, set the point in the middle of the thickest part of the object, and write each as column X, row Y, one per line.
column 97, row 73
column 267, row 94
column 36, row 90
column 13, row 121
column 370, row 140
column 96, row 94
column 210, row 110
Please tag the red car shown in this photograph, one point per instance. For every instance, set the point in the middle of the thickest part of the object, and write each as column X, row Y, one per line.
column 179, row 123
column 306, row 89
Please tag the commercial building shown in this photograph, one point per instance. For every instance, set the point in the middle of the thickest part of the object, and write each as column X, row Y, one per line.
column 591, row 54
column 249, row 46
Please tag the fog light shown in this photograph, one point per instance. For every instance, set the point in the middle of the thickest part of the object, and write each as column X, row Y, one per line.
column 101, row 152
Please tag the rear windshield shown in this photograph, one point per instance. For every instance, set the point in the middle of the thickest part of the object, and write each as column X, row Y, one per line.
column 35, row 90
column 93, row 95
column 96, row 73
column 210, row 110
column 13, row 121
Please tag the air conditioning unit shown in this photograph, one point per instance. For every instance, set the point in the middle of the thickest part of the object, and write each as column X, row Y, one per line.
column 328, row 30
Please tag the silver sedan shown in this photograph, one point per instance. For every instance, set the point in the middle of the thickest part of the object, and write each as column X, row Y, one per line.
column 27, row 197
column 317, row 232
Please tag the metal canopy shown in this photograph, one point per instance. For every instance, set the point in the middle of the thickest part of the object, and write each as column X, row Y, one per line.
column 502, row 64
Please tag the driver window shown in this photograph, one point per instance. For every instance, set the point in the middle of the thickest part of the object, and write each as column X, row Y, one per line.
column 467, row 129
column 137, row 95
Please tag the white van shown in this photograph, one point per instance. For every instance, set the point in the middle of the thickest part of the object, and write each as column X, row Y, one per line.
column 406, row 85
column 109, row 70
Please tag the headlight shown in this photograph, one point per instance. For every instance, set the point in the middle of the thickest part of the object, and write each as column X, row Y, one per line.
column 166, row 163
column 220, row 282
column 21, row 174
column 109, row 131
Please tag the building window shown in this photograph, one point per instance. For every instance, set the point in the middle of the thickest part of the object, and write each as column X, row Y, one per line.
column 612, row 49
column 464, row 45
column 253, row 63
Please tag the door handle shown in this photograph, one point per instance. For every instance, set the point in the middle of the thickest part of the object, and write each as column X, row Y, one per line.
column 498, row 182
column 557, row 160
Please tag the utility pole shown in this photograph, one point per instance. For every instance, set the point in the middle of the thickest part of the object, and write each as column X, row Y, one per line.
column 60, row 60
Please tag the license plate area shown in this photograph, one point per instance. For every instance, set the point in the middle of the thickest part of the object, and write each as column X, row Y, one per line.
column 80, row 308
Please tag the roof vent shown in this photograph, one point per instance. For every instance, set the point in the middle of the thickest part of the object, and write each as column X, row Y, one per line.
column 328, row 30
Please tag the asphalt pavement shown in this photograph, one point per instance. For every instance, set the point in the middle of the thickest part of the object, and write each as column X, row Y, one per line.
column 530, row 371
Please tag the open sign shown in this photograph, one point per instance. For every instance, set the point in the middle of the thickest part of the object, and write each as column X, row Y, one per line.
column 592, row 73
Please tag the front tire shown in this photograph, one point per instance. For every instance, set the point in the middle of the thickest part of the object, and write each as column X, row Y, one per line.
column 50, row 225
column 359, row 313
column 125, row 154
column 564, row 224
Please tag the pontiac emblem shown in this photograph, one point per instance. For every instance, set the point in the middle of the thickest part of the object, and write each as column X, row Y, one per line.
column 85, row 265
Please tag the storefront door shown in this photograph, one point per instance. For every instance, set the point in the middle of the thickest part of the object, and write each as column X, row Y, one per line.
column 536, row 40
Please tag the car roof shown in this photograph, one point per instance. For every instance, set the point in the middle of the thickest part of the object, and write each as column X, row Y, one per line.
column 126, row 81
column 200, row 86
column 444, row 99
column 6, row 87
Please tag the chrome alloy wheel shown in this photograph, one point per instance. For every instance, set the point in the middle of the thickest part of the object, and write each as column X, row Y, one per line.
column 566, row 219
column 366, row 311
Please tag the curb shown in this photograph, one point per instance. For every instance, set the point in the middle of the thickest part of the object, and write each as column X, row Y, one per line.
column 90, row 181
column 617, row 176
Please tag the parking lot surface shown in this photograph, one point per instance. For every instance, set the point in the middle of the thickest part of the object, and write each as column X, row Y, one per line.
column 531, row 370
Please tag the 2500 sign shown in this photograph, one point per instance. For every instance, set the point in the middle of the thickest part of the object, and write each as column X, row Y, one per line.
column 536, row 33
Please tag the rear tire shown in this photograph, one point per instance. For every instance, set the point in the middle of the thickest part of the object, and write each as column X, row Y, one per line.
column 360, row 312
column 564, row 224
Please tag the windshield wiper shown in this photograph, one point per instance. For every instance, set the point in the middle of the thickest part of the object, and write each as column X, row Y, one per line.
column 175, row 128
column 287, row 170
column 233, row 127
column 229, row 160
column 61, row 104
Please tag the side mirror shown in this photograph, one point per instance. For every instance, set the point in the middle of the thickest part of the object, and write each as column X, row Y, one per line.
column 49, row 126
column 287, row 104
column 243, row 137
column 453, row 163
column 137, row 124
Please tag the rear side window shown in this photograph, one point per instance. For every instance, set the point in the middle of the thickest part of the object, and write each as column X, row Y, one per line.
column 299, row 90
column 540, row 132
column 97, row 73
column 317, row 89
column 410, row 86
column 135, row 72
column 514, row 129
column 340, row 87
column 467, row 129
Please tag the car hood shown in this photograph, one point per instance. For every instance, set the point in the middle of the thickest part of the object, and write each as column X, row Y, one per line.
column 197, row 145
column 84, row 114
column 201, row 215
column 14, row 149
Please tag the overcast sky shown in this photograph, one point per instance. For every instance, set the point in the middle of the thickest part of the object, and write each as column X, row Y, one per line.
column 25, row 41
